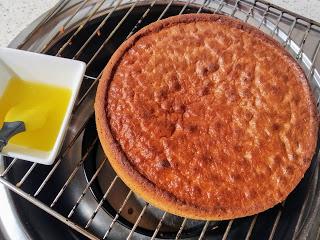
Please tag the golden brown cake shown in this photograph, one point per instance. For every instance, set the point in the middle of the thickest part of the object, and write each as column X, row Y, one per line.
column 206, row 117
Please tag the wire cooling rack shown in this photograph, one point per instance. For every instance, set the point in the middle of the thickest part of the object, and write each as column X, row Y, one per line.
column 71, row 190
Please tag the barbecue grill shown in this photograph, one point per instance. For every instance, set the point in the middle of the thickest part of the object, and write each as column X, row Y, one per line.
column 80, row 196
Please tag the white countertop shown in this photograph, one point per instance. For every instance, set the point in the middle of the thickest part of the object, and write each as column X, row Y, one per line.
column 17, row 14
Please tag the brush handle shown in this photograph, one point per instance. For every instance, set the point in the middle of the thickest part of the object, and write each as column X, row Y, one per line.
column 8, row 130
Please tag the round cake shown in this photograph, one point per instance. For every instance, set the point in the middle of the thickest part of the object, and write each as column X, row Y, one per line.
column 206, row 117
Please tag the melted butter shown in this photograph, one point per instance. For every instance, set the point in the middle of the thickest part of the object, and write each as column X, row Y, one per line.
column 53, row 101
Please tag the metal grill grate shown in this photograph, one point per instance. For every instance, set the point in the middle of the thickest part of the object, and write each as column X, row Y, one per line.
column 82, row 191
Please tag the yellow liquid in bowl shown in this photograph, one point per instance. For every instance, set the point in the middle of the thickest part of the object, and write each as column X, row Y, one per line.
column 53, row 100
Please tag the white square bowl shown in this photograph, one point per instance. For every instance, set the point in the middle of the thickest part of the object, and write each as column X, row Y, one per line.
column 45, row 69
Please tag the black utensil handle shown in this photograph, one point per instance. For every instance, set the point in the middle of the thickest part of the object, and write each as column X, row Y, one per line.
column 2, row 144
column 8, row 130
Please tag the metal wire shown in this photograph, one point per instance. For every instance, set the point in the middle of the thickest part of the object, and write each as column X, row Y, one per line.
column 205, row 2
column 250, row 12
column 310, row 191
column 276, row 221
column 264, row 16
column 158, row 226
column 314, row 58
column 44, row 182
column 96, row 80
column 235, row 8
column 112, row 33
column 141, row 19
column 65, row 25
column 277, row 24
column 114, row 5
column 181, row 228
column 86, row 188
column 60, row 158
column 96, row 30
column 101, row 202
column 118, row 214
column 300, row 216
column 184, row 7
column 220, row 6
column 26, row 175
column 74, row 172
column 289, row 33
column 4, row 173
column 137, row 221
column 81, row 26
column 60, row 5
column 225, row 235
column 253, row 222
column 204, row 230
column 165, row 10
column 47, row 209
column 306, row 33
column 318, row 234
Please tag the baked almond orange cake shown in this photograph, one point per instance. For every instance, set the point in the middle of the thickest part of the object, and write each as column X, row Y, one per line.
column 206, row 117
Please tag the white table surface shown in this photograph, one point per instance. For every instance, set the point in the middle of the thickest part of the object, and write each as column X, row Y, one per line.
column 15, row 15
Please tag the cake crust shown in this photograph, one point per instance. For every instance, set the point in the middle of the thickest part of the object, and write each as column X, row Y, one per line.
column 249, row 183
